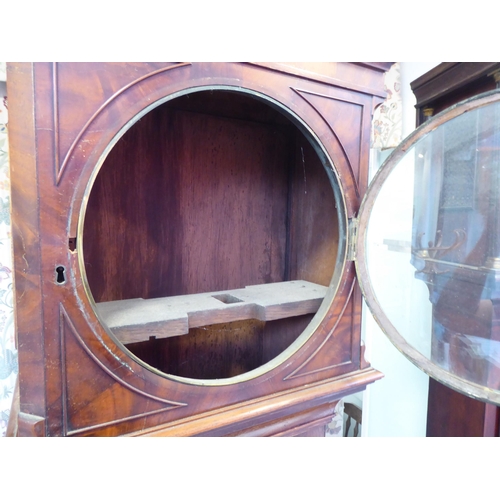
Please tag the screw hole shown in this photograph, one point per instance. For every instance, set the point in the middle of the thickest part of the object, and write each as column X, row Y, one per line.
column 60, row 278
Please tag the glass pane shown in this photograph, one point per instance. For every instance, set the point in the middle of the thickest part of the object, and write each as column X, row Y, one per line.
column 433, row 249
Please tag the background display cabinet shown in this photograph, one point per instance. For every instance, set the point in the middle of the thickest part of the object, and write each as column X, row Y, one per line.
column 428, row 254
column 459, row 177
column 183, row 245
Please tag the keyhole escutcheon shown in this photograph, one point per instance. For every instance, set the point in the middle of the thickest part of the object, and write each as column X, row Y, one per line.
column 60, row 275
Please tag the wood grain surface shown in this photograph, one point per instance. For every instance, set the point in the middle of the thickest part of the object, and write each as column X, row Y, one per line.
column 152, row 180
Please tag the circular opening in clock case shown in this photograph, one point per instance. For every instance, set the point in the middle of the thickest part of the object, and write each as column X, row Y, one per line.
column 211, row 235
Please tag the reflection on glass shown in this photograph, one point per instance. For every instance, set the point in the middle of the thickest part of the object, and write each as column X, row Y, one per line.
column 434, row 247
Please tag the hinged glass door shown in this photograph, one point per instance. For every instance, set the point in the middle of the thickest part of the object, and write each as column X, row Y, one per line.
column 428, row 247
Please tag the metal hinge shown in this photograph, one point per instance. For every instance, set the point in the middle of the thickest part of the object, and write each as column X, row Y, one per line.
column 352, row 232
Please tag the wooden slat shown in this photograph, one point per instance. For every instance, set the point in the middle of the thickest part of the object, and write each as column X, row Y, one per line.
column 136, row 320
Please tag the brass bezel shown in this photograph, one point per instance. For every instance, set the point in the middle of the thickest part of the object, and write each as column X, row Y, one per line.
column 341, row 252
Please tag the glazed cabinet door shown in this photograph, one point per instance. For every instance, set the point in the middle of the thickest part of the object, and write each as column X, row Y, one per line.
column 439, row 251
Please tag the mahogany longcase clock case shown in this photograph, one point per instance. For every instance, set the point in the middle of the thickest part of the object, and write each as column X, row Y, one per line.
column 181, row 241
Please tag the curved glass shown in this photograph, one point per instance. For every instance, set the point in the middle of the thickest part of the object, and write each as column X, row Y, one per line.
column 429, row 250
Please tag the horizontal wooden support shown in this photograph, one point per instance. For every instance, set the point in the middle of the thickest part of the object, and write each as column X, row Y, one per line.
column 136, row 320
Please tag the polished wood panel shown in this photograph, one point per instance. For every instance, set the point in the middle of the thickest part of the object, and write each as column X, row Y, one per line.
column 26, row 244
column 198, row 182
column 451, row 414
column 193, row 195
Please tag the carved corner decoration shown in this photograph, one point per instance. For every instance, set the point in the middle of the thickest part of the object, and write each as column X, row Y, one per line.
column 351, row 152
column 302, row 370
column 61, row 166
column 73, row 386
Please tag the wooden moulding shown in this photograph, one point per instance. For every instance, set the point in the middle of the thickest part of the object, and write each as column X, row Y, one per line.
column 263, row 416
column 136, row 320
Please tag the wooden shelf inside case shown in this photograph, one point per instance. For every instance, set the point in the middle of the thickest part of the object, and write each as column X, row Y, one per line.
column 137, row 320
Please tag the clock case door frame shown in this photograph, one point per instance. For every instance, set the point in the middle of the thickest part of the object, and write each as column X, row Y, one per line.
column 74, row 378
